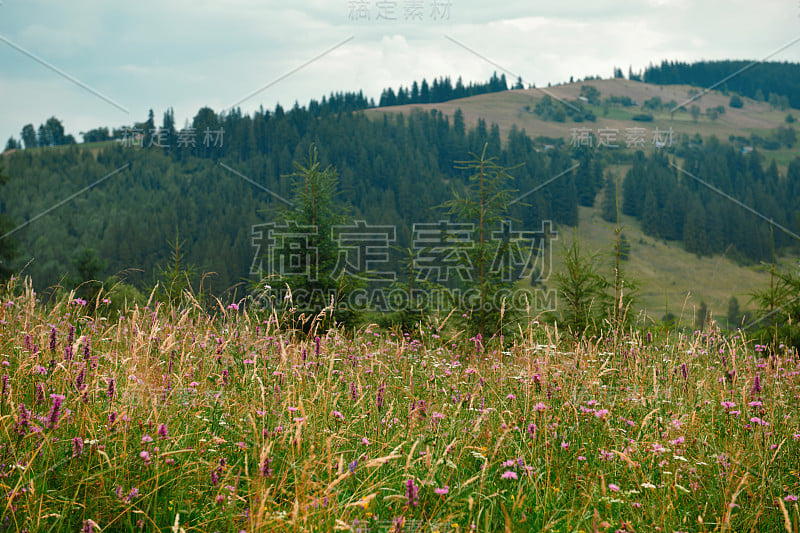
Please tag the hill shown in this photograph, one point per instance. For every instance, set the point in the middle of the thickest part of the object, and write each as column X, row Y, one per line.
column 515, row 108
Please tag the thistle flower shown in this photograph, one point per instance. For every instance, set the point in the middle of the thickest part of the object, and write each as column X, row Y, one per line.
column 162, row 431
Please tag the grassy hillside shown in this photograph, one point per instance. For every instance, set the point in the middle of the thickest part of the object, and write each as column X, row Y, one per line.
column 666, row 275
column 511, row 108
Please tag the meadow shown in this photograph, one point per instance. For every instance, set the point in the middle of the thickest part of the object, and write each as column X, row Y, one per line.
column 174, row 418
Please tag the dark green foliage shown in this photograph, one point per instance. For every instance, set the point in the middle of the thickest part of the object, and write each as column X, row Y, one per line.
column 736, row 102
column 675, row 206
column 767, row 77
column 484, row 203
column 8, row 246
column 89, row 268
column 611, row 200
column 442, row 90
column 582, row 290
column 553, row 110
column 318, row 283
column 591, row 93
column 735, row 314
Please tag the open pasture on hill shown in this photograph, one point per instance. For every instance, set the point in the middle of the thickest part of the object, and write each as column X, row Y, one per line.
column 168, row 419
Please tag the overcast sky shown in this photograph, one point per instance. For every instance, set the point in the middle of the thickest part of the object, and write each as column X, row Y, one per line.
column 188, row 54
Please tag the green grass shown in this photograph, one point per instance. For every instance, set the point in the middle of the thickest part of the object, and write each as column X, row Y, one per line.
column 668, row 277
column 271, row 429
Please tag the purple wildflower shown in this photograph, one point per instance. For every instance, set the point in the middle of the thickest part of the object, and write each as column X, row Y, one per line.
column 266, row 469
column 77, row 447
column 756, row 385
column 379, row 398
column 412, row 492
column 23, row 420
column 58, row 399
column 52, row 338
column 163, row 433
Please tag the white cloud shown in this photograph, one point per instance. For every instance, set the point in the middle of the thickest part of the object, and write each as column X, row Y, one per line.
column 190, row 53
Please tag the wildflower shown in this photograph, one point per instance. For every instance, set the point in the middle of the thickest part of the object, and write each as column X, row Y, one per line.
column 146, row 439
column 337, row 414
column 677, row 441
column 728, row 405
column 601, row 413
column 539, row 407
column 132, row 494
column 613, row 487
column 352, row 466
column 163, row 432
column 790, row 498
column 145, row 455
column 55, row 411
column 412, row 492
column 756, row 385
column 511, row 397
column 581, row 458
column 365, row 441
column 442, row 491
column 52, row 338
column 266, row 469
column 379, row 398
column 234, row 306
column 760, row 422
column 508, row 474
column 77, row 447
column 23, row 420
column 564, row 444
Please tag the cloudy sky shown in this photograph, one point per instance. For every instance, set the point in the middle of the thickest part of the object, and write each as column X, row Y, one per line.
column 134, row 56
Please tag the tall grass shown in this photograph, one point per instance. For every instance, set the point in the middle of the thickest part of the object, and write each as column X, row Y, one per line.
column 175, row 420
